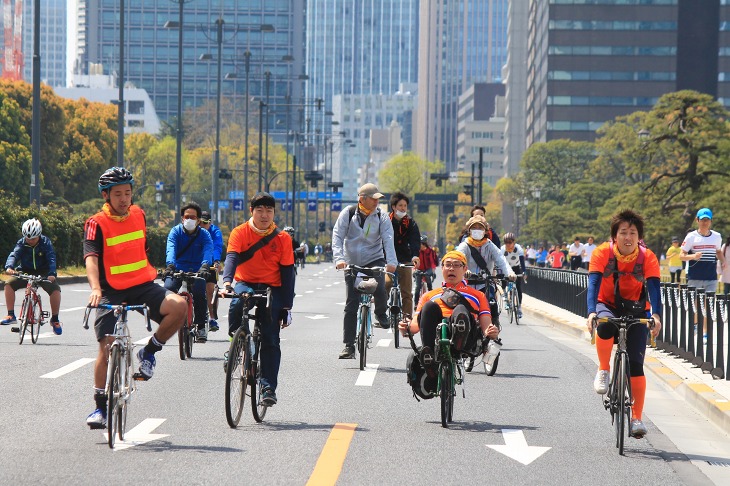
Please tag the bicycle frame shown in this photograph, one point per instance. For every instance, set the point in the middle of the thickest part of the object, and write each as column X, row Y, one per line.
column 31, row 300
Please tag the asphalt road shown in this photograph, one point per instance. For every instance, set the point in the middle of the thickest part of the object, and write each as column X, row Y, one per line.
column 541, row 397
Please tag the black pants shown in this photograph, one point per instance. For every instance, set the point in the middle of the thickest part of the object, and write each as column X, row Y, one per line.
column 575, row 262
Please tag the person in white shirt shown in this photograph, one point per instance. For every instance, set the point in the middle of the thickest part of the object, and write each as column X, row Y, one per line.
column 531, row 255
column 575, row 252
column 587, row 252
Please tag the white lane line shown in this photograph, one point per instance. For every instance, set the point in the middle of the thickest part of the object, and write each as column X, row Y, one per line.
column 44, row 335
column 319, row 288
column 328, row 285
column 71, row 309
column 316, row 317
column 383, row 343
column 79, row 290
column 68, row 368
column 341, row 303
column 141, row 434
column 143, row 341
column 309, row 291
column 367, row 376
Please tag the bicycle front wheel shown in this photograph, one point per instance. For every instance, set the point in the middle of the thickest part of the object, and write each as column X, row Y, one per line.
column 257, row 407
column 114, row 377
column 622, row 409
column 362, row 336
column 447, row 393
column 236, row 378
column 26, row 315
column 516, row 306
column 125, row 388
column 183, row 334
column 394, row 318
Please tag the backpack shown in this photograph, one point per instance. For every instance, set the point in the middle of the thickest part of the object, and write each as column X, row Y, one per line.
column 423, row 381
column 351, row 211
column 626, row 307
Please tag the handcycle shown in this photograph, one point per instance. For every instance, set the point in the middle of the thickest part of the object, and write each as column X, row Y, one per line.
column 511, row 300
column 243, row 362
column 188, row 332
column 492, row 289
column 120, row 381
column 365, row 285
column 618, row 400
column 450, row 368
column 395, row 304
column 421, row 279
column 31, row 310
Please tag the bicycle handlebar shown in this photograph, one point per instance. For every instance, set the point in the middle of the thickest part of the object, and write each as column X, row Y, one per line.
column 180, row 274
column 29, row 277
column 219, row 293
column 117, row 309
column 369, row 271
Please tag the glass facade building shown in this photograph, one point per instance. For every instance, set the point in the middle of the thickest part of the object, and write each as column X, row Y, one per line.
column 461, row 43
column 151, row 50
column 52, row 42
column 592, row 60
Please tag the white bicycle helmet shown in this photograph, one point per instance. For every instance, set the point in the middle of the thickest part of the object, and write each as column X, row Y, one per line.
column 32, row 228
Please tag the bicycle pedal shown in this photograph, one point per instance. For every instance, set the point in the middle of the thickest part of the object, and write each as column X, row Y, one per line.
column 139, row 377
column 15, row 329
column 45, row 315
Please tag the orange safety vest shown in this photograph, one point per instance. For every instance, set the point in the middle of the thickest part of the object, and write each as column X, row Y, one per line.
column 124, row 255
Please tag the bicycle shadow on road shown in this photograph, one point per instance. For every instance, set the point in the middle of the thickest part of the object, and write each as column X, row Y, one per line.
column 482, row 426
column 165, row 446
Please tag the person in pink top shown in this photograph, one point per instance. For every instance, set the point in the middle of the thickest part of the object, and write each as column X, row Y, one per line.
column 556, row 258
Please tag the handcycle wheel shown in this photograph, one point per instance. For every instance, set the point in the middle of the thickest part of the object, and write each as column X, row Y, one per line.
column 362, row 337
column 258, row 408
column 490, row 370
column 236, row 377
column 621, row 409
column 25, row 312
column 112, row 422
column 515, row 305
column 35, row 323
column 447, row 393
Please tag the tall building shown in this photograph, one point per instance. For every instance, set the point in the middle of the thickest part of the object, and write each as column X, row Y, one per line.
column 589, row 62
column 462, row 42
column 52, row 42
column 515, row 79
column 358, row 47
column 151, row 51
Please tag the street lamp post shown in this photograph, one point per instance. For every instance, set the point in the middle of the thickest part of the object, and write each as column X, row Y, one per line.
column 35, row 179
column 120, row 107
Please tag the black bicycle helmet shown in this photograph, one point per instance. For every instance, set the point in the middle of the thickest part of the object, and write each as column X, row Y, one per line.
column 115, row 176
column 289, row 230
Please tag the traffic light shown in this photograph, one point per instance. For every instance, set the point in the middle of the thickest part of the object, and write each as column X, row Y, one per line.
column 224, row 174
column 321, row 227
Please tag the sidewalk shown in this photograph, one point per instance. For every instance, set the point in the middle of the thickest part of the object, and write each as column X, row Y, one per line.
column 709, row 396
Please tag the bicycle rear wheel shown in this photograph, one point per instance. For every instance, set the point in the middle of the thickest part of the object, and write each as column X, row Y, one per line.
column 35, row 323
column 183, row 334
column 125, row 388
column 257, row 407
column 362, row 336
column 112, row 422
column 446, row 392
column 26, row 314
column 236, row 377
column 515, row 306
column 621, row 397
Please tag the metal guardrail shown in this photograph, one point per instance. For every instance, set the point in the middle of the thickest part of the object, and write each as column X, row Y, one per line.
column 685, row 309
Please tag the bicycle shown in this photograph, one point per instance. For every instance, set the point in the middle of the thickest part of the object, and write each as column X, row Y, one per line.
column 31, row 310
column 395, row 304
column 120, row 381
column 366, row 286
column 492, row 289
column 618, row 399
column 242, row 364
column 450, row 363
column 511, row 301
column 188, row 333
column 422, row 279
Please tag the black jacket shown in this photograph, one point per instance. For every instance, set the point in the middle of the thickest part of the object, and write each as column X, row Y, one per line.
column 406, row 238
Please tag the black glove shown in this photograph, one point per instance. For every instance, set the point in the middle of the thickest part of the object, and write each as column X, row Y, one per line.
column 168, row 271
column 285, row 318
column 204, row 271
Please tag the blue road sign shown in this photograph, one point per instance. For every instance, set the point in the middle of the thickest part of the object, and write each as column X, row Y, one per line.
column 286, row 205
column 222, row 204
column 336, row 206
column 159, row 186
column 235, row 195
column 306, row 195
column 312, row 205
column 238, row 204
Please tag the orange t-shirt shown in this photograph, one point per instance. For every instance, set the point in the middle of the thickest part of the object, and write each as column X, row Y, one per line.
column 558, row 258
column 476, row 298
column 264, row 266
column 629, row 286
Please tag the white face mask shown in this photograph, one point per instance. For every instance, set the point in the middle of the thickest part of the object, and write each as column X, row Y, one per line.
column 190, row 224
column 477, row 234
column 400, row 214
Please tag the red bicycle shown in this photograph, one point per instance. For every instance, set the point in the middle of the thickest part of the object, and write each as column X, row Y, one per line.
column 31, row 310
column 188, row 333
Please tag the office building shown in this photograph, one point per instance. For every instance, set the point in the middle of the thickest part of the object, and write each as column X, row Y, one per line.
column 591, row 61
column 461, row 42
column 515, row 79
column 151, row 51
column 52, row 42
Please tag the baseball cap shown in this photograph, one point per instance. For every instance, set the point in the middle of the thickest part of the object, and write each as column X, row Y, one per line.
column 704, row 213
column 205, row 217
column 476, row 219
column 369, row 190
column 675, row 239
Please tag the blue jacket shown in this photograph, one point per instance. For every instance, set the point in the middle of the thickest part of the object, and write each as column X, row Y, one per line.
column 217, row 236
column 38, row 260
column 199, row 252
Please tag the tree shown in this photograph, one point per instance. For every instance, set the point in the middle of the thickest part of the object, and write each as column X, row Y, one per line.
column 408, row 173
column 15, row 159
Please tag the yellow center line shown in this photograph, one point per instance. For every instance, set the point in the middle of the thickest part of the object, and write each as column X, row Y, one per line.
column 329, row 465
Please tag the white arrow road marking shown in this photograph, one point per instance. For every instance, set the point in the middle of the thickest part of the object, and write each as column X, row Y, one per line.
column 44, row 335
column 140, row 434
column 309, row 291
column 367, row 376
column 71, row 309
column 383, row 343
column 515, row 446
column 341, row 303
column 69, row 368
column 316, row 317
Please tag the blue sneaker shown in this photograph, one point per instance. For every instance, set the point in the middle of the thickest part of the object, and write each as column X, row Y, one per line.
column 96, row 419
column 213, row 325
column 147, row 364
column 57, row 328
column 8, row 320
